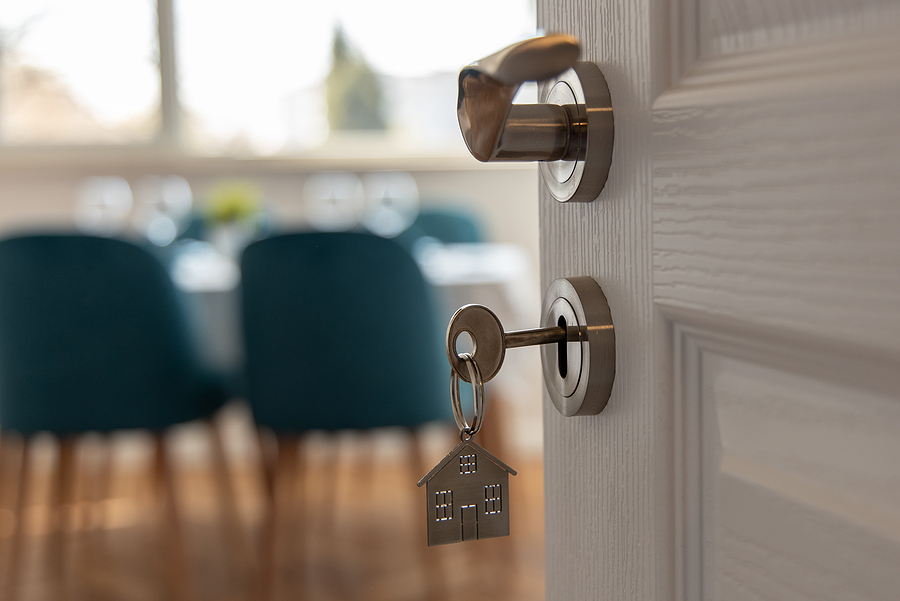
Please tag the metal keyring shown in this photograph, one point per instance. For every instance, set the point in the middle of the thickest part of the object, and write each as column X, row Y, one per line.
column 478, row 391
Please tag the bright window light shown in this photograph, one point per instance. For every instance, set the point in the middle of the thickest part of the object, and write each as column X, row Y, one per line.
column 253, row 77
column 252, row 72
column 80, row 72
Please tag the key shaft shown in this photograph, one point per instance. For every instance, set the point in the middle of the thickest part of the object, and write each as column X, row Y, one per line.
column 550, row 335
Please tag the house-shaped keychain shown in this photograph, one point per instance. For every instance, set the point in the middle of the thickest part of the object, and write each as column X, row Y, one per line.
column 467, row 496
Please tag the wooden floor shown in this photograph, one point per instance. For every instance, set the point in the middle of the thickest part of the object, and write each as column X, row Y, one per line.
column 354, row 529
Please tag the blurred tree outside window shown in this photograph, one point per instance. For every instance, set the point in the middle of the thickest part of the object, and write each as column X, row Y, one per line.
column 353, row 90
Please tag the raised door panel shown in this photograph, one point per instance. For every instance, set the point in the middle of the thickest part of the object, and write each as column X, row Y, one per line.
column 775, row 189
column 790, row 474
column 728, row 26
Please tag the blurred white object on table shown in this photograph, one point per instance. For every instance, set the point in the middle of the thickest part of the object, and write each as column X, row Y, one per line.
column 211, row 280
column 500, row 277
column 200, row 267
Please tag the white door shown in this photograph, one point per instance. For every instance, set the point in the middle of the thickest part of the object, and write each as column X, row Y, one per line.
column 748, row 242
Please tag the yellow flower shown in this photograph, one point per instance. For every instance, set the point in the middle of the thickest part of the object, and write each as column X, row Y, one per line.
column 232, row 201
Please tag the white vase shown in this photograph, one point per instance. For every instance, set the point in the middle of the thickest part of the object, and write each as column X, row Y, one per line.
column 230, row 238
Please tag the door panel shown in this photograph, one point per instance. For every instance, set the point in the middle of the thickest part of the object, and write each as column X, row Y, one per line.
column 747, row 244
column 775, row 192
column 728, row 26
column 788, row 473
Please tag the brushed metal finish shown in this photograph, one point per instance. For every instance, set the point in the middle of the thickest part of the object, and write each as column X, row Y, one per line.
column 521, row 338
column 585, row 391
column 570, row 131
column 487, row 334
column 477, row 392
column 490, row 341
column 487, row 88
column 582, row 174
column 561, row 94
column 461, row 480
column 568, row 361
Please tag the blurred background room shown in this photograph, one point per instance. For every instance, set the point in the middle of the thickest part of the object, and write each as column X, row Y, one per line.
column 232, row 235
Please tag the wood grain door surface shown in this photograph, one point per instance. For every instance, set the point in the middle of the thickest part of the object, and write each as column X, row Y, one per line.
column 748, row 241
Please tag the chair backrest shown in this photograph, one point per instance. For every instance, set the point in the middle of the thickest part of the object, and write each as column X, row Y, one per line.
column 340, row 332
column 92, row 337
column 449, row 225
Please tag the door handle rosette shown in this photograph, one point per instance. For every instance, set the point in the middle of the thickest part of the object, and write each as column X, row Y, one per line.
column 570, row 131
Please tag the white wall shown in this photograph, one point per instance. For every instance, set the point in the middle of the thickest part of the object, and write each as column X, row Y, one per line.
column 36, row 193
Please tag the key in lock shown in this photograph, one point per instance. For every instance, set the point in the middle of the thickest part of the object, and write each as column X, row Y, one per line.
column 577, row 338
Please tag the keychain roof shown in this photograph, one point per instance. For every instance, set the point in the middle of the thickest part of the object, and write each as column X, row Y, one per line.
column 456, row 451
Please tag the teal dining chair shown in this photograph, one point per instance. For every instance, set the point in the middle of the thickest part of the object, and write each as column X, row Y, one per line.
column 93, row 339
column 340, row 333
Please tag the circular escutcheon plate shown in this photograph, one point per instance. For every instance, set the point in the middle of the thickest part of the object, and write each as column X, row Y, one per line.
column 583, row 91
column 582, row 389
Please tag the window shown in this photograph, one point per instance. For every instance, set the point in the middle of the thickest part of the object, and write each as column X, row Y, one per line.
column 247, row 77
column 443, row 505
column 492, row 503
column 77, row 73
column 467, row 464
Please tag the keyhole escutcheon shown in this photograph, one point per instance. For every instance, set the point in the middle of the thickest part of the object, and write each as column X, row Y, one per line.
column 579, row 372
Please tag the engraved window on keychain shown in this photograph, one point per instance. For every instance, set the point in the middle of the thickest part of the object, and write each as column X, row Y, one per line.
column 466, row 486
column 443, row 504
column 492, row 502
column 467, row 464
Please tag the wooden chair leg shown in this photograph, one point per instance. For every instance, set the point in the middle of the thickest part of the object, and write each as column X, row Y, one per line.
column 293, row 474
column 101, row 487
column 280, row 463
column 435, row 580
column 368, row 549
column 326, row 520
column 62, row 514
column 266, row 571
column 239, row 555
column 363, row 477
column 97, row 481
column 9, row 590
column 180, row 580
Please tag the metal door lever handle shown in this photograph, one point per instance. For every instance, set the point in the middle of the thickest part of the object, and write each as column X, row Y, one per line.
column 496, row 130
column 571, row 126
